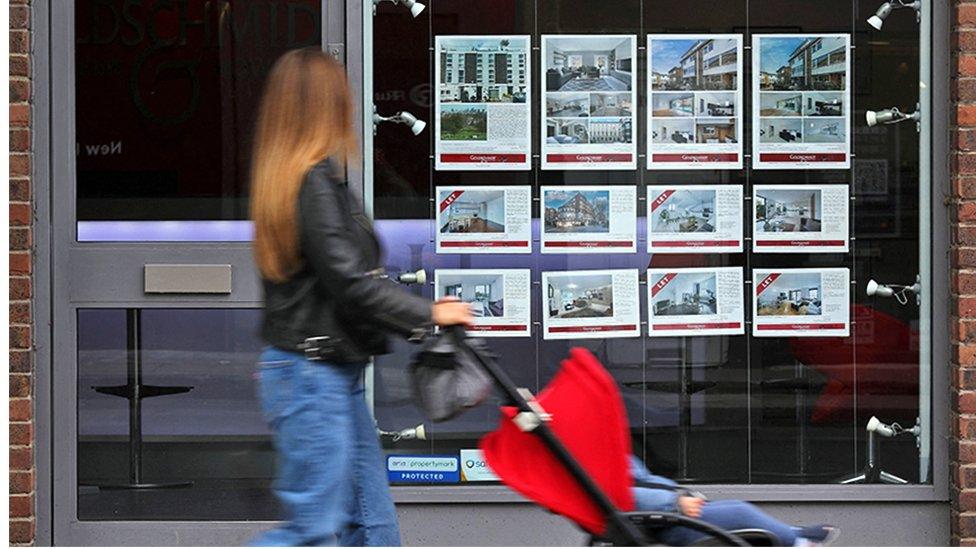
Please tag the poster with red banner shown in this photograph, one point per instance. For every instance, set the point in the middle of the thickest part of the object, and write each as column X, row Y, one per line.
column 481, row 112
column 801, row 302
column 699, row 218
column 695, row 302
column 801, row 101
column 499, row 299
column 589, row 102
column 800, row 218
column 694, row 115
column 589, row 219
column 590, row 304
column 484, row 219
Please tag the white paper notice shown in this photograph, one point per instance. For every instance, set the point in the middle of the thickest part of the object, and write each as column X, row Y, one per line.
column 801, row 95
column 589, row 102
column 694, row 218
column 498, row 297
column 482, row 113
column 801, row 302
column 800, row 218
column 589, row 219
column 694, row 82
column 695, row 302
column 590, row 304
column 484, row 219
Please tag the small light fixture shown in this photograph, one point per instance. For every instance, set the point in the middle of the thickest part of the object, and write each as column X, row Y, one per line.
column 877, row 20
column 415, row 7
column 898, row 291
column 403, row 117
column 892, row 116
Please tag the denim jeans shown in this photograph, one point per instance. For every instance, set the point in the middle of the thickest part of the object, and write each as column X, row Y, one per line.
column 331, row 478
column 726, row 514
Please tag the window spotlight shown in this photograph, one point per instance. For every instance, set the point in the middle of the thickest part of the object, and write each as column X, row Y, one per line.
column 415, row 7
column 897, row 291
column 403, row 117
column 891, row 116
column 877, row 20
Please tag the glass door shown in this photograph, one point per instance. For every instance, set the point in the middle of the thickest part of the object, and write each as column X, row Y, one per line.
column 158, row 433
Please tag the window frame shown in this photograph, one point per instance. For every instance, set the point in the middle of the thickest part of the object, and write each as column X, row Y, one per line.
column 935, row 38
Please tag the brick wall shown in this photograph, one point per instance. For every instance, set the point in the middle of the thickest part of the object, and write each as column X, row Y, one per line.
column 21, row 218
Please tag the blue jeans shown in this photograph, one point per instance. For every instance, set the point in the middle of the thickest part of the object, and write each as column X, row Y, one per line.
column 331, row 478
column 726, row 514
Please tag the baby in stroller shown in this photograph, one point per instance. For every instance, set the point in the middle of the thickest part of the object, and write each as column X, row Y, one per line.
column 655, row 493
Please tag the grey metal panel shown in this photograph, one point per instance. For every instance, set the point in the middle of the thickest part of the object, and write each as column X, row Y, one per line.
column 41, row 185
column 187, row 279
column 115, row 273
column 942, row 190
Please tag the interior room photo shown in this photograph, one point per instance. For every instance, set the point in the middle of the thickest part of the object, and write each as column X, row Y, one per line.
column 475, row 212
column 673, row 130
column 581, row 296
column 685, row 212
column 785, row 211
column 672, row 104
column 686, row 294
column 485, row 293
column 584, row 63
column 568, row 105
column 781, row 130
column 792, row 294
column 715, row 131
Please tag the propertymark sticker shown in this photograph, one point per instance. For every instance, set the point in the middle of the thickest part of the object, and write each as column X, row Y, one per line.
column 423, row 469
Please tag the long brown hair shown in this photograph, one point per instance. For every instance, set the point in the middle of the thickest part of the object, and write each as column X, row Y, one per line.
column 305, row 116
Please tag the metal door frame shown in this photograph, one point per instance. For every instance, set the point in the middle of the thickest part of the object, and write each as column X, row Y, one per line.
column 105, row 275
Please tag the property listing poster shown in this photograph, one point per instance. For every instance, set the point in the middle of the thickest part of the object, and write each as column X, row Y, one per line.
column 801, row 302
column 484, row 219
column 589, row 102
column 589, row 219
column 801, row 101
column 695, row 302
column 694, row 114
column 499, row 299
column 800, row 218
column 590, row 304
column 482, row 112
column 685, row 218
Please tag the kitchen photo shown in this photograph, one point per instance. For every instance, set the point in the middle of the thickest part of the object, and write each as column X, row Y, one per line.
column 686, row 294
column 580, row 296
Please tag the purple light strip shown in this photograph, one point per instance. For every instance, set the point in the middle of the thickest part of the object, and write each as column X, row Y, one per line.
column 165, row 231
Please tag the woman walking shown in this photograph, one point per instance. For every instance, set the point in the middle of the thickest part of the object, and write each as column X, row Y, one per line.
column 326, row 312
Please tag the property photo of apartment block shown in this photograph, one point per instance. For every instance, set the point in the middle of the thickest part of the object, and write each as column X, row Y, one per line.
column 788, row 210
column 482, row 71
column 799, row 63
column 681, row 64
column 577, row 211
column 583, row 63
column 611, row 130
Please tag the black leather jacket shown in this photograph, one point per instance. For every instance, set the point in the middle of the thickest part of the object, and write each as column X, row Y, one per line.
column 332, row 295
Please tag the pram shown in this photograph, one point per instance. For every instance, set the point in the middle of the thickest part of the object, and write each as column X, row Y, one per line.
column 592, row 487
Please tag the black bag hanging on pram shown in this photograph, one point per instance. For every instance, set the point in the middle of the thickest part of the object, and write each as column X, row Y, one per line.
column 446, row 376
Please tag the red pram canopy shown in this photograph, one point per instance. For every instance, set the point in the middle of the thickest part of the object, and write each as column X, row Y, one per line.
column 588, row 416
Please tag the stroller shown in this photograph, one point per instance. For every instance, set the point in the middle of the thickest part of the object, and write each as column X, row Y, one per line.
column 565, row 449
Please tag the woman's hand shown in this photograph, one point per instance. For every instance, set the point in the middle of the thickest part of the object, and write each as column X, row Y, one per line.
column 690, row 507
column 450, row 311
